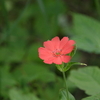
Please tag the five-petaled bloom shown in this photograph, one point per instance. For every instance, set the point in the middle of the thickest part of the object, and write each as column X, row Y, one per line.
column 56, row 50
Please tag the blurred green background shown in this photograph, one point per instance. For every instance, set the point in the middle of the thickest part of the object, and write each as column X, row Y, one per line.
column 25, row 25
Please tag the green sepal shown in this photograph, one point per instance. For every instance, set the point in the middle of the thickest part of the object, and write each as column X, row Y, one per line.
column 63, row 95
column 68, row 65
column 64, row 68
column 73, row 52
column 60, row 67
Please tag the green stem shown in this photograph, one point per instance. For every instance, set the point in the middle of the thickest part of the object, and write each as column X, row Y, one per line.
column 65, row 85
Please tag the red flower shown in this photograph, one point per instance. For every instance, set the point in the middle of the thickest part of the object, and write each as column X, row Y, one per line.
column 56, row 50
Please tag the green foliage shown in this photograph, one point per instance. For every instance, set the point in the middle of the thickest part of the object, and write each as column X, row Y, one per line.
column 6, row 80
column 96, row 97
column 39, row 76
column 70, row 64
column 86, row 33
column 87, row 79
column 30, row 71
column 33, row 52
column 64, row 95
column 16, row 94
column 73, row 52
column 46, row 17
column 25, row 24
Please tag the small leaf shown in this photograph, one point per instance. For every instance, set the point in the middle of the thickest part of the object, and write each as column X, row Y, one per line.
column 71, row 64
column 63, row 95
column 60, row 67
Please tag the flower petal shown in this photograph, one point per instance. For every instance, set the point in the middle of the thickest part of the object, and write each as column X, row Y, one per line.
column 49, row 45
column 67, row 50
column 57, row 60
column 63, row 41
column 49, row 60
column 65, row 58
column 68, row 47
column 44, row 53
column 71, row 42
column 56, row 42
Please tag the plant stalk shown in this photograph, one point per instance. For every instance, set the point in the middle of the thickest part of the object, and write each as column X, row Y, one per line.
column 64, row 77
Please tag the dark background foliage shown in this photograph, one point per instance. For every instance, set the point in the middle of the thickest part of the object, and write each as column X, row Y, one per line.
column 25, row 25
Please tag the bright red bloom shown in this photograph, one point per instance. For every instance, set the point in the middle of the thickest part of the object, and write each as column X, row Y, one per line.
column 56, row 50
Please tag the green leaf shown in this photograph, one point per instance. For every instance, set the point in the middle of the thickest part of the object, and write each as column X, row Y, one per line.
column 63, row 95
column 15, row 54
column 86, row 33
column 71, row 85
column 6, row 80
column 64, row 67
column 87, row 79
column 16, row 94
column 44, row 29
column 60, row 67
column 32, row 71
column 33, row 52
column 51, row 91
column 96, row 97
column 3, row 53
column 67, row 67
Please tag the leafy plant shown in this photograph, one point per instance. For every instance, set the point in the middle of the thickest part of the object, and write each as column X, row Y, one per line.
column 85, row 31
column 87, row 79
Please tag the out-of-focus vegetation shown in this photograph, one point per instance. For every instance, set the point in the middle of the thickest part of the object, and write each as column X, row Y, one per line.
column 24, row 25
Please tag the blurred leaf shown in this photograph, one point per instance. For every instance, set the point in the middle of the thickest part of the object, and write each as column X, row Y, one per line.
column 46, row 29
column 18, row 38
column 3, row 53
column 47, row 26
column 16, row 22
column 71, row 85
column 15, row 55
column 51, row 92
column 6, row 80
column 32, row 71
column 9, row 5
column 96, row 97
column 86, row 33
column 9, row 54
column 33, row 52
column 16, row 94
column 87, row 79
column 64, row 95
column 55, row 8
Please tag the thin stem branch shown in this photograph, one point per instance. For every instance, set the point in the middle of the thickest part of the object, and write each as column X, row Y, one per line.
column 65, row 85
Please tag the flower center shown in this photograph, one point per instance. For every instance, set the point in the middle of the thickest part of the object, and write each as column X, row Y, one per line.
column 57, row 53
